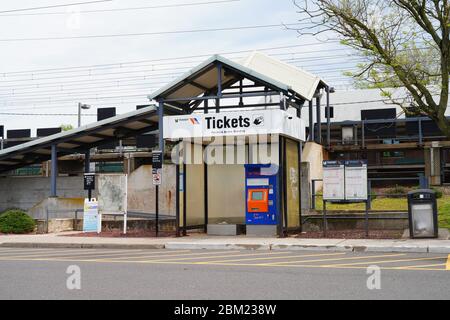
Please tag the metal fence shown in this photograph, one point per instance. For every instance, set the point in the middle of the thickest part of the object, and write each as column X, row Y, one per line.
column 421, row 179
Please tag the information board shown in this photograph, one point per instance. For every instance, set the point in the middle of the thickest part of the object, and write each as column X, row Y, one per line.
column 356, row 181
column 333, row 180
column 92, row 220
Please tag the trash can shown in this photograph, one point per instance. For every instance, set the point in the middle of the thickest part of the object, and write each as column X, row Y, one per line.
column 423, row 215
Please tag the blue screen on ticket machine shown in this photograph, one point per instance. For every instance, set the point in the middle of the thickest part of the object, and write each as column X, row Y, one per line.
column 261, row 194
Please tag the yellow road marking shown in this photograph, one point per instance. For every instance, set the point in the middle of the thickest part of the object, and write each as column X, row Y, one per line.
column 65, row 253
column 128, row 254
column 420, row 266
column 229, row 264
column 334, row 259
column 272, row 258
column 386, row 261
column 106, row 259
column 167, row 255
column 221, row 256
column 447, row 267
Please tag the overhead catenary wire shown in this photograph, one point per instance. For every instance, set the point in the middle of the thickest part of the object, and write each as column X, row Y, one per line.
column 54, row 6
column 155, row 33
column 142, row 8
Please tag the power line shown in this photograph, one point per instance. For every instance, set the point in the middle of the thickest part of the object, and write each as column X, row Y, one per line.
column 119, row 35
column 55, row 6
column 189, row 4
column 187, row 57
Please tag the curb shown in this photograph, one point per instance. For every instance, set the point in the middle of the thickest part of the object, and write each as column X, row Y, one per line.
column 225, row 246
column 30, row 245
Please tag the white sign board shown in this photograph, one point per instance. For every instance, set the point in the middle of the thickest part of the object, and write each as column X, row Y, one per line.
column 356, row 183
column 244, row 123
column 333, row 182
column 112, row 194
column 92, row 220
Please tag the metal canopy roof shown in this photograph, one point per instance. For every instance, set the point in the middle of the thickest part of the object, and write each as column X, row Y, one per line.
column 81, row 139
column 258, row 67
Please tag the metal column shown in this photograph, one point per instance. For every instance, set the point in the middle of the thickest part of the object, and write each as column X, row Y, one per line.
column 54, row 173
column 311, row 122
column 319, row 120
column 328, row 118
column 161, row 148
column 219, row 86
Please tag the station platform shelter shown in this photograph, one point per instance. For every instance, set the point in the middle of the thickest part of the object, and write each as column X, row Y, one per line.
column 237, row 143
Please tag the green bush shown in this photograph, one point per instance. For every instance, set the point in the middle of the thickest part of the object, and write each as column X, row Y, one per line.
column 396, row 191
column 439, row 193
column 16, row 222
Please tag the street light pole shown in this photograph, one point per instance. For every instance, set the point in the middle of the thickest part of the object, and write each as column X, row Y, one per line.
column 81, row 106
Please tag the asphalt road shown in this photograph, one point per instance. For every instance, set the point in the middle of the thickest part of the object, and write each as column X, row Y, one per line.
column 222, row 275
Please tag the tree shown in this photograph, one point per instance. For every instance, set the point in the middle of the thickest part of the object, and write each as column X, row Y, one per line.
column 403, row 43
column 66, row 127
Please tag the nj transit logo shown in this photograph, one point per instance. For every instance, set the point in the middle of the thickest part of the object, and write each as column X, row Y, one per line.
column 194, row 121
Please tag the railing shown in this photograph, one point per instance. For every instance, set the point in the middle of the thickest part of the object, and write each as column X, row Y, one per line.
column 363, row 140
column 421, row 179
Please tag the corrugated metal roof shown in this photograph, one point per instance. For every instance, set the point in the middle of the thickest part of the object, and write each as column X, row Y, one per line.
column 203, row 78
column 80, row 139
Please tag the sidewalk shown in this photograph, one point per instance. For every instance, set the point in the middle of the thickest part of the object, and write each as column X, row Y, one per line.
column 226, row 243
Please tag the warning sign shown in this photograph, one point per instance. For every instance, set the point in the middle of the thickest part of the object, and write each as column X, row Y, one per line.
column 157, row 177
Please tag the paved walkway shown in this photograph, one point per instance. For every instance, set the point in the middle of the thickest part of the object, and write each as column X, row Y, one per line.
column 196, row 242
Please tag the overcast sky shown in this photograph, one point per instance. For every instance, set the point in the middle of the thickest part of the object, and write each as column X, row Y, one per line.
column 59, row 91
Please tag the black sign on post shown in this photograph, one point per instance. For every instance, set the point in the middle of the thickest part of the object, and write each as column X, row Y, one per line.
column 89, row 183
column 157, row 160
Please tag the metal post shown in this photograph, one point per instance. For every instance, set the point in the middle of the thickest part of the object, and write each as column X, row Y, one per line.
column 369, row 193
column 285, row 191
column 300, row 191
column 162, row 149
column 420, row 132
column 241, row 91
column 367, row 219
column 328, row 118
column 184, row 199
column 313, row 194
column 205, row 193
column 319, row 120
column 54, row 172
column 311, row 122
column 279, row 190
column 87, row 169
column 325, row 224
column 161, row 126
column 79, row 114
column 219, row 86
column 363, row 141
column 177, row 199
column 156, row 211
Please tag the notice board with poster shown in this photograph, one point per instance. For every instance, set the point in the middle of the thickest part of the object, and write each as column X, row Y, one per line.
column 333, row 180
column 356, row 180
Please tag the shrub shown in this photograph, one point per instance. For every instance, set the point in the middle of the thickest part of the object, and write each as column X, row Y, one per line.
column 16, row 222
column 396, row 191
column 439, row 193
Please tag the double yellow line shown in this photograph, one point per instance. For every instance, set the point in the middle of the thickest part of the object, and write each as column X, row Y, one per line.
column 448, row 263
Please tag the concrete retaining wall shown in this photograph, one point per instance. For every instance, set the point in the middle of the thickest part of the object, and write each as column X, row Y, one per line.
column 355, row 221
column 25, row 193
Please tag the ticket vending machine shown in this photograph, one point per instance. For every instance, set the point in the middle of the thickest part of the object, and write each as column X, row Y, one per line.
column 261, row 199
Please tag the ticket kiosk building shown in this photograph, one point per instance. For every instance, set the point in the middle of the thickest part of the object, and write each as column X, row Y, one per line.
column 236, row 140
